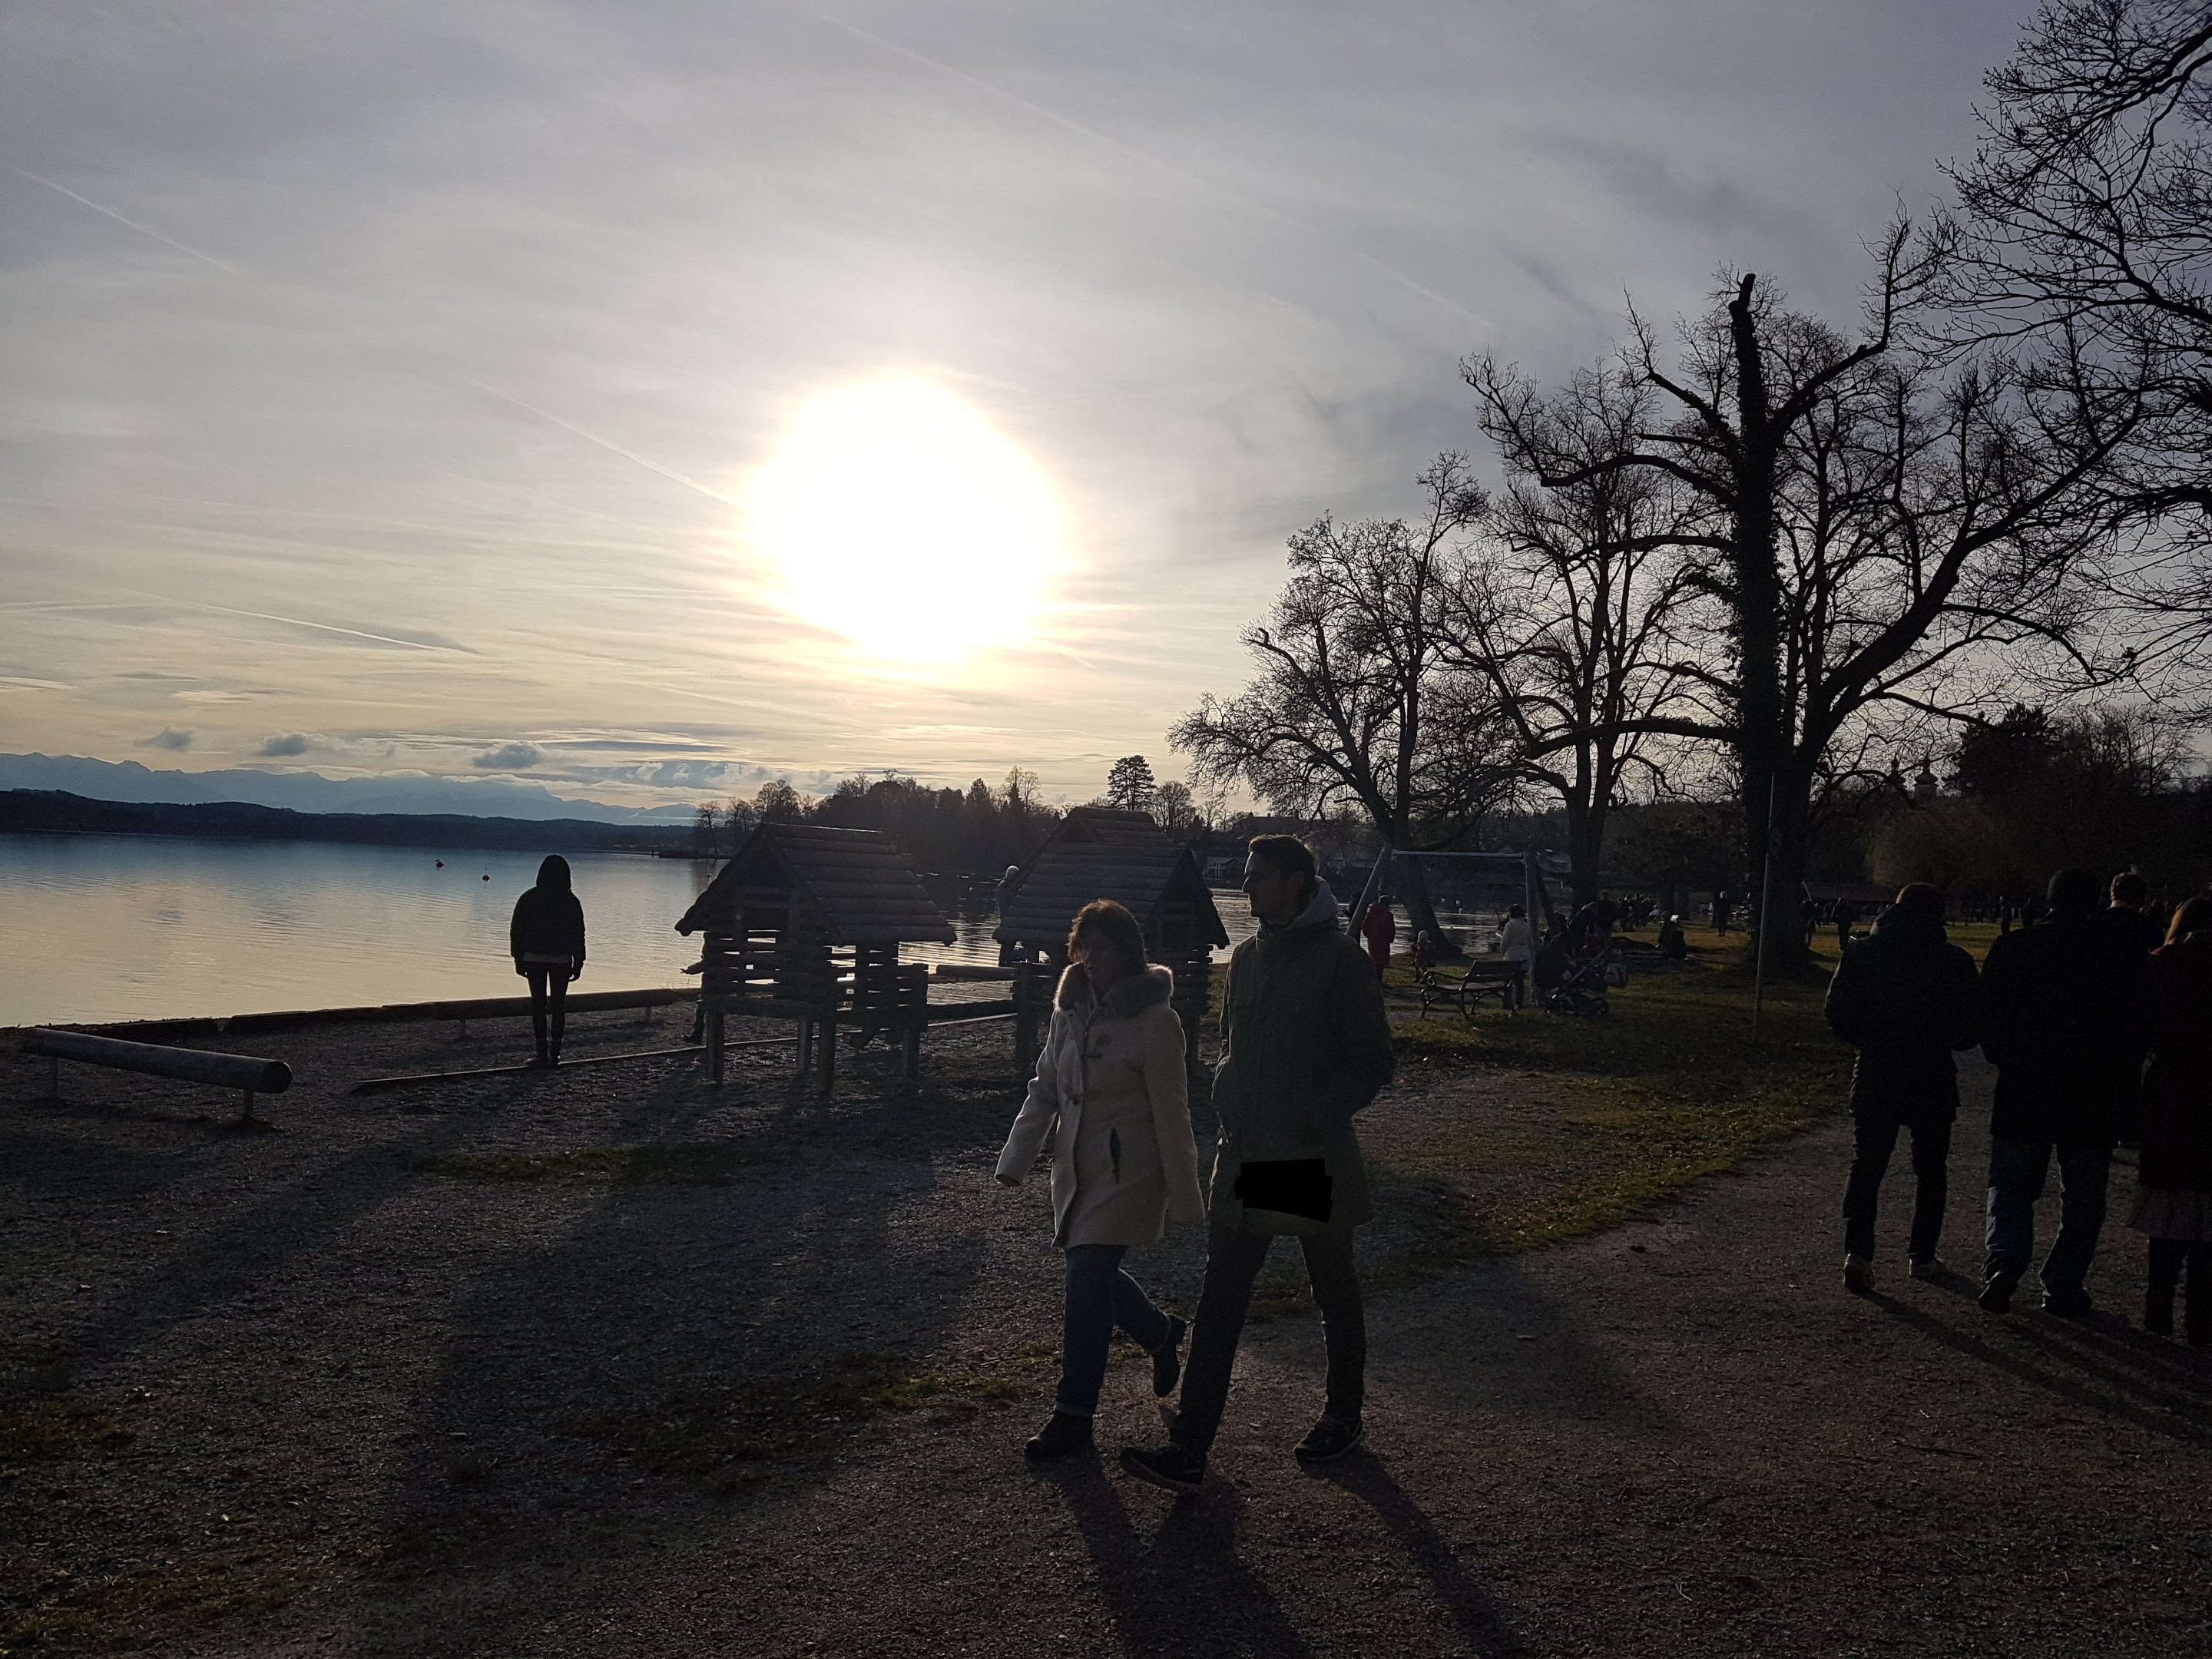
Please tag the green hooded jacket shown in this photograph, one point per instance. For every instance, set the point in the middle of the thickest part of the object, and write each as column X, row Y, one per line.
column 1305, row 1045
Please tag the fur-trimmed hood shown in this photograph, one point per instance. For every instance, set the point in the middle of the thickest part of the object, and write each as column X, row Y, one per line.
column 1147, row 989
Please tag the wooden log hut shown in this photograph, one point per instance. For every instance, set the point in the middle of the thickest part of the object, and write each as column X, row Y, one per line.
column 805, row 924
column 1099, row 853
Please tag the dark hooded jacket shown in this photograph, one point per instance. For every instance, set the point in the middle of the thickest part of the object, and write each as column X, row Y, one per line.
column 548, row 919
column 1305, row 1046
column 2177, row 1090
column 1905, row 998
column 2063, row 1024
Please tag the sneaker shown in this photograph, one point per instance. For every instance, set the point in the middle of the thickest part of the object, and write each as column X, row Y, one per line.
column 1996, row 1297
column 1057, row 1438
column 1858, row 1274
column 1174, row 1465
column 1929, row 1267
column 2068, row 1305
column 1167, row 1364
column 1329, row 1439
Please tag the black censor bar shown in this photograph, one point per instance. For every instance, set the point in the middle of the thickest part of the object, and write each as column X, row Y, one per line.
column 1294, row 1186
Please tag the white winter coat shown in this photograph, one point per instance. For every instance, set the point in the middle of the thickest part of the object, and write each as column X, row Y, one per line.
column 1111, row 1091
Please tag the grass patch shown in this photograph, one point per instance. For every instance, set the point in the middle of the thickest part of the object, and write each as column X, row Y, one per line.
column 65, row 1425
column 126, row 1612
column 615, row 1166
column 723, row 1441
column 1576, row 1125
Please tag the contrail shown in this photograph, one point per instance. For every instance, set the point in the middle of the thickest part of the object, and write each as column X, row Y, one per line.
column 326, row 628
column 1145, row 158
column 131, row 224
column 592, row 437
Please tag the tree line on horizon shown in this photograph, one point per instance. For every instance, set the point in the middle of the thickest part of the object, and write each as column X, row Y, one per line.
column 1756, row 568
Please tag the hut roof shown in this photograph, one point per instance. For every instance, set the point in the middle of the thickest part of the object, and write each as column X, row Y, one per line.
column 856, row 882
column 1097, row 854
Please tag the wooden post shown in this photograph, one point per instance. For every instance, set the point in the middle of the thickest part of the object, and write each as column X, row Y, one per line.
column 1025, row 1020
column 826, row 1038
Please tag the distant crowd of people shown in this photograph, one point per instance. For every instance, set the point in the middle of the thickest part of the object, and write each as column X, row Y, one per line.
column 2099, row 1021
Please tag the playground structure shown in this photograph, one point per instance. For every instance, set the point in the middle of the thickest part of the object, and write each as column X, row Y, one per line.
column 805, row 924
column 1412, row 878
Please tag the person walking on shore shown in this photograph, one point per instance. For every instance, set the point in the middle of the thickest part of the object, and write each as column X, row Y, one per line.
column 1305, row 1046
column 1112, row 1092
column 1905, row 998
column 2060, row 1027
column 2173, row 1202
column 546, row 939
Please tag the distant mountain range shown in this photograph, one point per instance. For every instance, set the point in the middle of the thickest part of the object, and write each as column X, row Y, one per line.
column 309, row 792
column 50, row 812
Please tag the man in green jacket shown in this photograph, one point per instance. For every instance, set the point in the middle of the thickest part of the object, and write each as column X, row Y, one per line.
column 1305, row 1045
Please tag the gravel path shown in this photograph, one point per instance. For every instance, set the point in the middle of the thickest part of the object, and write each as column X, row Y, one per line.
column 330, row 1393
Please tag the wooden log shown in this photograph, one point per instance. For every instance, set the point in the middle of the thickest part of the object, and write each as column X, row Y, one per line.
column 246, row 1073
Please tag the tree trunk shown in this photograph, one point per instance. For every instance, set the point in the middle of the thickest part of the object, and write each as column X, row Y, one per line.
column 1412, row 884
column 1777, row 814
column 1585, row 839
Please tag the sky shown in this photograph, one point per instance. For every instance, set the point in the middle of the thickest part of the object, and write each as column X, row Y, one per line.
column 504, row 391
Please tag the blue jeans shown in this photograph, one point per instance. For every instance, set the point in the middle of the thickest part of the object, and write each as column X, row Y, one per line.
column 1100, row 1297
column 2017, row 1171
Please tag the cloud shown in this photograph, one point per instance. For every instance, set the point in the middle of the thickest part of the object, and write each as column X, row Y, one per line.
column 168, row 738
column 508, row 757
column 281, row 744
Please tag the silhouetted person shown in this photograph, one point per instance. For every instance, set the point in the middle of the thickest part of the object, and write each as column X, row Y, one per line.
column 1905, row 998
column 2058, row 1023
column 1380, row 929
column 1517, row 945
column 2173, row 1202
column 1809, row 913
column 546, row 939
column 2135, row 934
column 1672, row 946
column 1722, row 915
column 1846, row 912
column 1305, row 1046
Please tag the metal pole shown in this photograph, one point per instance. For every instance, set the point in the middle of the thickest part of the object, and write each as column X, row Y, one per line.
column 1377, row 875
column 1766, row 914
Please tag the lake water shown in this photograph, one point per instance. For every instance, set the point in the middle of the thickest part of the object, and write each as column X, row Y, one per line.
column 115, row 928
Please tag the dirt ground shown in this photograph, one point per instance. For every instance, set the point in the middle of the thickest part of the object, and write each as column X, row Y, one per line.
column 611, row 1362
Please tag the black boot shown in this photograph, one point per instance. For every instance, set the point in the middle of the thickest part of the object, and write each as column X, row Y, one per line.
column 1063, row 1435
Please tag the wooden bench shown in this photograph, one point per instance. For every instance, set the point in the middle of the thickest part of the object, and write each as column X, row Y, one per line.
column 244, row 1072
column 1505, row 980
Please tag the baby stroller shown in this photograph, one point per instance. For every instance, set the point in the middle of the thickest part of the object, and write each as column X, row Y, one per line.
column 1572, row 984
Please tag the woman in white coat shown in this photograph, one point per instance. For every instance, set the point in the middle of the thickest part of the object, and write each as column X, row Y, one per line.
column 1111, row 1092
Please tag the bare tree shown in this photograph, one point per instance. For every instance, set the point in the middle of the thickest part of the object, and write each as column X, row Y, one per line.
column 1870, row 534
column 2087, row 211
column 1355, row 701
column 1573, row 610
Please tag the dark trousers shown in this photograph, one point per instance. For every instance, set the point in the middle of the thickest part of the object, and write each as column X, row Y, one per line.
column 2018, row 1170
column 1874, row 1139
column 1233, row 1260
column 549, row 1005
column 2167, row 1257
column 1101, row 1299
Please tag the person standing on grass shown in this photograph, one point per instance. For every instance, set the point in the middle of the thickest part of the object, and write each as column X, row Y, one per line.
column 1517, row 945
column 1305, row 1046
column 2059, row 1023
column 1111, row 1091
column 1904, row 999
column 2173, row 1201
column 2134, row 933
column 1380, row 929
column 546, row 939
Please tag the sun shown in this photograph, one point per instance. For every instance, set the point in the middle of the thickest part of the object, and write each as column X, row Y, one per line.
column 904, row 519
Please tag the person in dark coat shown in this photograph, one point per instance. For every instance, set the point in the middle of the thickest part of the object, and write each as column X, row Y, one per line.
column 546, row 939
column 2059, row 1023
column 2173, row 1201
column 1904, row 999
column 1305, row 1046
column 2135, row 934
